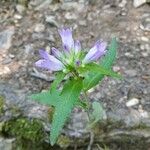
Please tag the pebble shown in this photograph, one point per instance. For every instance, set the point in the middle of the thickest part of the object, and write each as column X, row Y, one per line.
column 39, row 28
column 44, row 5
column 7, row 144
column 145, row 39
column 83, row 23
column 116, row 68
column 123, row 3
column 51, row 20
column 132, row 102
column 131, row 72
column 144, row 54
column 6, row 38
column 138, row 3
column 20, row 8
column 145, row 22
column 7, row 60
column 70, row 16
column 17, row 16
column 129, row 55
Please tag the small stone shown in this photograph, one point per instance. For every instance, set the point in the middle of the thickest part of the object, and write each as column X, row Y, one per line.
column 51, row 20
column 132, row 102
column 83, row 23
column 39, row 28
column 131, row 72
column 123, row 3
column 116, row 68
column 138, row 3
column 70, row 16
column 20, row 8
column 145, row 39
column 11, row 56
column 129, row 55
column 7, row 144
column 43, row 5
column 17, row 16
column 6, row 38
column 7, row 60
column 144, row 54
column 145, row 23
column 73, row 6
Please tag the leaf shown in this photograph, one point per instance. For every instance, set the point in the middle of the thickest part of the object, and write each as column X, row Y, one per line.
column 92, row 79
column 95, row 68
column 82, row 104
column 67, row 101
column 50, row 97
column 97, row 114
column 59, row 77
column 46, row 98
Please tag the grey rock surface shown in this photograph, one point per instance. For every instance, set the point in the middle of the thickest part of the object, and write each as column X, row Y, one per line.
column 6, row 38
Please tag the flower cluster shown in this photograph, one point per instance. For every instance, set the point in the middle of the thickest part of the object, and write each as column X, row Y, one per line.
column 72, row 54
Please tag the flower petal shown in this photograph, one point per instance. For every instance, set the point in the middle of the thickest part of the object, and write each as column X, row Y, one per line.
column 67, row 39
column 56, row 52
column 77, row 47
column 49, row 62
column 95, row 52
column 43, row 54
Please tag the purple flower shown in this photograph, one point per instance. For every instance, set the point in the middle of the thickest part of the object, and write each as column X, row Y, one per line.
column 72, row 56
column 95, row 52
column 49, row 62
column 77, row 47
column 67, row 39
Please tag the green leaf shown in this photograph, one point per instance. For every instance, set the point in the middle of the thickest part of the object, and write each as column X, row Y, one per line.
column 82, row 104
column 97, row 114
column 46, row 98
column 95, row 68
column 67, row 101
column 92, row 79
column 50, row 97
column 59, row 77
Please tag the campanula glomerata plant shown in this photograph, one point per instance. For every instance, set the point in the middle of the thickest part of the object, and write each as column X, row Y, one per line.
column 85, row 69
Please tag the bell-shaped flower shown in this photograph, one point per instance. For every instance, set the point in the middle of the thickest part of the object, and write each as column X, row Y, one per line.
column 67, row 39
column 49, row 62
column 95, row 52
column 72, row 56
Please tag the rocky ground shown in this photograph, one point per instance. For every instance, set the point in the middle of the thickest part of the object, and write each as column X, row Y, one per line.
column 27, row 26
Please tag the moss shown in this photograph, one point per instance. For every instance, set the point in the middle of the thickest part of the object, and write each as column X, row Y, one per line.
column 24, row 128
column 1, row 104
column 63, row 141
column 50, row 113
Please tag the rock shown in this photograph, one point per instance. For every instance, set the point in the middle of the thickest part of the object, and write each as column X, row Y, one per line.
column 132, row 102
column 117, row 125
column 70, row 16
column 82, row 22
column 145, row 23
column 137, row 3
column 35, row 3
column 44, row 5
column 7, row 144
column 51, row 20
column 73, row 6
column 17, row 16
column 7, row 60
column 39, row 28
column 6, row 38
column 145, row 39
column 123, row 3
column 131, row 72
column 20, row 8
